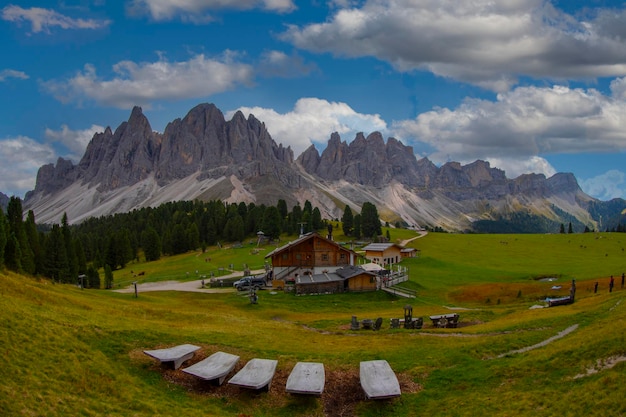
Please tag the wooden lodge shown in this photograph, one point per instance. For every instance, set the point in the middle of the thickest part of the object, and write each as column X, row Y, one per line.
column 311, row 254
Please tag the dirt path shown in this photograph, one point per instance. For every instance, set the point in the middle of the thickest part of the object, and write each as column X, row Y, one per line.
column 421, row 234
column 541, row 344
column 190, row 286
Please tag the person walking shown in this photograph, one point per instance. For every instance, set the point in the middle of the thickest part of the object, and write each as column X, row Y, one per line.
column 611, row 284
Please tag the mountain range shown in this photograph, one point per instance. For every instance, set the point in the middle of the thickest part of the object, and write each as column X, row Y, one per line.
column 204, row 156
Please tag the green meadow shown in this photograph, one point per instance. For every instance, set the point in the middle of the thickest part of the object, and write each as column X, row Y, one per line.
column 67, row 351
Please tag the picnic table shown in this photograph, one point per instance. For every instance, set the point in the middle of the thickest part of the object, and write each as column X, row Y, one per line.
column 306, row 378
column 174, row 356
column 214, row 368
column 445, row 320
column 256, row 374
column 378, row 380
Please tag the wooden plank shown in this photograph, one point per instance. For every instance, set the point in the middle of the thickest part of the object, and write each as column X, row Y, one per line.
column 256, row 374
column 378, row 380
column 175, row 355
column 215, row 368
column 306, row 378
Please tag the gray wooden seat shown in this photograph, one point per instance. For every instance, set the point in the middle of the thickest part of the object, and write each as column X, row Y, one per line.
column 256, row 374
column 174, row 356
column 306, row 378
column 215, row 368
column 378, row 380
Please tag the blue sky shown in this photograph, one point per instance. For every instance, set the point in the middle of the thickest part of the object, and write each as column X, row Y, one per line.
column 528, row 85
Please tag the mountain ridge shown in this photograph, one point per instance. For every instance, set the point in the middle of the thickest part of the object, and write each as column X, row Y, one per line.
column 204, row 156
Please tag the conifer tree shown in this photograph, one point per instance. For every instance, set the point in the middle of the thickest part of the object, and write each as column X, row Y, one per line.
column 347, row 221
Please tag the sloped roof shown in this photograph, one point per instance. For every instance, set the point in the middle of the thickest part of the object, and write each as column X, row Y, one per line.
column 302, row 239
column 340, row 274
column 380, row 247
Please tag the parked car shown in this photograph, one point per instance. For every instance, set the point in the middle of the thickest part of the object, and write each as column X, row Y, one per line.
column 246, row 283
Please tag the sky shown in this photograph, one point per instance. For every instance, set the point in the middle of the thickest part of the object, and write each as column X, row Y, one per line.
column 527, row 85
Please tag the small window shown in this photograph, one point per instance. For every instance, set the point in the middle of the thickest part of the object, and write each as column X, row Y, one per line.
column 298, row 256
column 342, row 256
column 324, row 257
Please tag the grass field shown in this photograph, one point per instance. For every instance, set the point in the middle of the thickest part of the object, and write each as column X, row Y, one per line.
column 68, row 351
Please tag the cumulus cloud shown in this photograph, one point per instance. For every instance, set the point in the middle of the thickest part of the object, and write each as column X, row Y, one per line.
column 9, row 73
column 312, row 121
column 145, row 82
column 482, row 42
column 75, row 141
column 196, row 11
column 42, row 20
column 611, row 184
column 20, row 159
column 521, row 125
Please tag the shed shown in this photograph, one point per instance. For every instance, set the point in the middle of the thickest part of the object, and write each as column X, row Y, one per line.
column 348, row 278
column 384, row 253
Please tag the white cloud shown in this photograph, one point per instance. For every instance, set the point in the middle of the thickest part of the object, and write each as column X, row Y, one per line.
column 75, row 141
column 482, row 42
column 521, row 125
column 9, row 73
column 313, row 121
column 611, row 184
column 41, row 20
column 195, row 11
column 20, row 159
column 145, row 82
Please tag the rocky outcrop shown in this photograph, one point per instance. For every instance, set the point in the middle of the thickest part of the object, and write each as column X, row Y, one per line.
column 204, row 156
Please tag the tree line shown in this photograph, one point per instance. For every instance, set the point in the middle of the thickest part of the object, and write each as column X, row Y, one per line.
column 63, row 253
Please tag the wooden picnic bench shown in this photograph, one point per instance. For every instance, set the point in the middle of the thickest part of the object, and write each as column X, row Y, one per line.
column 256, row 374
column 306, row 378
column 215, row 368
column 445, row 320
column 378, row 380
column 174, row 356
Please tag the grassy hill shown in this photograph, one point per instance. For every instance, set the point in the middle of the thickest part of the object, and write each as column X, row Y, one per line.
column 68, row 351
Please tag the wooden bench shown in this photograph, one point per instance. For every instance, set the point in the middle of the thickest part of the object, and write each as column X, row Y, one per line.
column 378, row 380
column 552, row 302
column 256, row 374
column 306, row 378
column 215, row 368
column 174, row 356
column 445, row 320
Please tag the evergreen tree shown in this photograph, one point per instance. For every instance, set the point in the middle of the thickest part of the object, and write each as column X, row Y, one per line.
column 72, row 259
column 562, row 229
column 55, row 264
column 15, row 215
column 193, row 236
column 296, row 218
column 357, row 227
column 108, row 277
column 271, row 223
column 151, row 244
column 347, row 221
column 12, row 253
column 370, row 222
column 569, row 228
column 33, row 241
column 316, row 219
column 80, row 255
column 282, row 209
column 93, row 277
column 234, row 230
